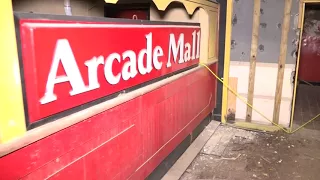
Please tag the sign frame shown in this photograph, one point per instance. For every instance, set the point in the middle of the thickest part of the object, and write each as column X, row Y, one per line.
column 21, row 16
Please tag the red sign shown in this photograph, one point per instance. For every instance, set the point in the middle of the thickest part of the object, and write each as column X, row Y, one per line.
column 70, row 63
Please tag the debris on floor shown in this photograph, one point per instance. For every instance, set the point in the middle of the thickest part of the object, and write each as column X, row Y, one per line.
column 236, row 154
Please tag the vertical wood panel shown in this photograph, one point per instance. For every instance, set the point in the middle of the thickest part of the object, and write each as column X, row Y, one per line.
column 282, row 59
column 204, row 25
column 226, row 60
column 12, row 119
column 213, row 26
column 253, row 56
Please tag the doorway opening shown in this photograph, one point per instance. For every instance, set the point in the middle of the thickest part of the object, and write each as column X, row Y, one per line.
column 307, row 101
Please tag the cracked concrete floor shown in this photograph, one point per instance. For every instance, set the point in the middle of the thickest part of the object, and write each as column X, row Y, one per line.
column 236, row 154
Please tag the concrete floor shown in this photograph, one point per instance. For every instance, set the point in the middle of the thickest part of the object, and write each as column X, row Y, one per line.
column 307, row 106
column 235, row 154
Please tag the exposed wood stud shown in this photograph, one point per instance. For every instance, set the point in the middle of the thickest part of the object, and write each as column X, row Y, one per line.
column 282, row 59
column 232, row 99
column 226, row 68
column 300, row 14
column 253, row 56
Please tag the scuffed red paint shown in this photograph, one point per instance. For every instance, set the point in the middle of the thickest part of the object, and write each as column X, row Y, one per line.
column 126, row 142
column 309, row 65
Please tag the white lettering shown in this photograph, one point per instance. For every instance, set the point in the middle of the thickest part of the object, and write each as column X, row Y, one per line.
column 129, row 69
column 187, row 52
column 157, row 52
column 108, row 74
column 144, row 70
column 198, row 45
column 93, row 71
column 63, row 53
column 143, row 63
column 173, row 47
column 193, row 56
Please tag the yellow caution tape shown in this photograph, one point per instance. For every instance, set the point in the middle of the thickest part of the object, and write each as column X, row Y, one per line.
column 250, row 105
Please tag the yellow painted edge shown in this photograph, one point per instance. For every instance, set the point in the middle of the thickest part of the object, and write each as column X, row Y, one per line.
column 111, row 1
column 226, row 60
column 310, row 1
column 301, row 16
column 12, row 119
column 254, row 126
column 190, row 5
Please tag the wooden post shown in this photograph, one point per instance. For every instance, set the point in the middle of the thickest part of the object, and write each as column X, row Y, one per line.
column 282, row 59
column 226, row 60
column 301, row 15
column 253, row 56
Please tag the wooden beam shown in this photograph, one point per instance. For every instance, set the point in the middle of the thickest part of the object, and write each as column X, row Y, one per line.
column 301, row 14
column 253, row 56
column 282, row 59
column 226, row 67
column 295, row 84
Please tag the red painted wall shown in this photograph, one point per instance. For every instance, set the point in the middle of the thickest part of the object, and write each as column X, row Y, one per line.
column 125, row 142
column 309, row 67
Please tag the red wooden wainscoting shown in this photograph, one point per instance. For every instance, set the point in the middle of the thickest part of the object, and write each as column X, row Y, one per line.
column 126, row 142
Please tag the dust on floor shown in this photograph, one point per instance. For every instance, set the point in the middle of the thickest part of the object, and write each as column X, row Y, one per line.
column 236, row 154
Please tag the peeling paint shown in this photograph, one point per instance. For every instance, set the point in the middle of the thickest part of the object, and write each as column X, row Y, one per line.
column 233, row 44
column 263, row 25
column 261, row 48
column 295, row 42
column 294, row 53
column 271, row 16
column 279, row 25
column 234, row 20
